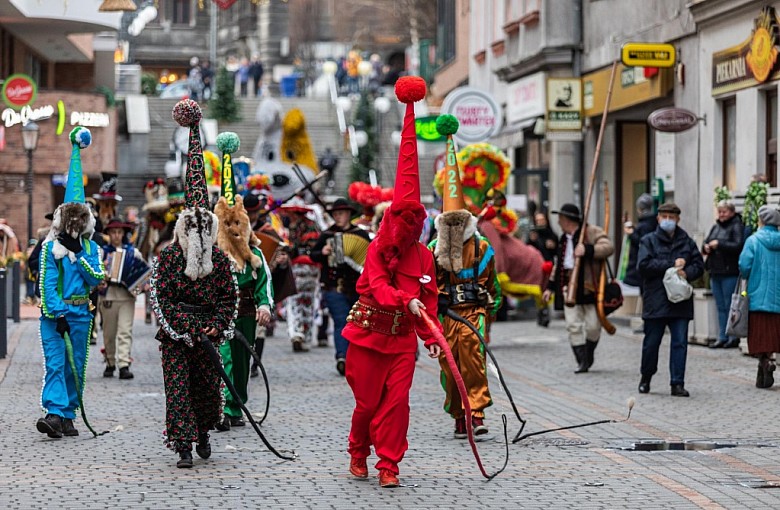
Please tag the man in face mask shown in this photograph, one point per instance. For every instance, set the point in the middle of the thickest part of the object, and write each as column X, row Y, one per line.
column 669, row 246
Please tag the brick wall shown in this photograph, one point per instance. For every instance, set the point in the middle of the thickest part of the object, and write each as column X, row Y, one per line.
column 52, row 157
column 69, row 76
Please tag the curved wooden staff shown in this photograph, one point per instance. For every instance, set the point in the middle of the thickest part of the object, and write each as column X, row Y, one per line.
column 608, row 326
column 571, row 289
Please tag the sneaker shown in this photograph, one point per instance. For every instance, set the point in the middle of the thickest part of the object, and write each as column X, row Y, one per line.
column 341, row 366
column 109, row 371
column 478, row 424
column 125, row 373
column 51, row 425
column 236, row 421
column 223, row 425
column 68, row 429
column 460, row 428
column 387, row 479
column 358, row 467
column 203, row 448
column 185, row 459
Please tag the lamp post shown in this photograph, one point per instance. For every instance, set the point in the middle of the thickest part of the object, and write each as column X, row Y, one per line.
column 30, row 142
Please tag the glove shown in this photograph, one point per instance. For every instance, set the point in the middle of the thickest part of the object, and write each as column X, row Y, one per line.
column 63, row 326
column 71, row 244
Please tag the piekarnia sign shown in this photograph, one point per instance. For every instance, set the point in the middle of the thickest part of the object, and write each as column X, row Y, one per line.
column 751, row 62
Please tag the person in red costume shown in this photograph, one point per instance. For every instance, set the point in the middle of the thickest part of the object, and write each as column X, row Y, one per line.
column 398, row 280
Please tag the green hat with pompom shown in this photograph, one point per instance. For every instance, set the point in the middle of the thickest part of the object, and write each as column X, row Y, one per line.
column 228, row 143
column 452, row 192
column 80, row 138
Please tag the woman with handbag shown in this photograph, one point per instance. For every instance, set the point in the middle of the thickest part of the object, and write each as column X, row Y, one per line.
column 722, row 248
column 760, row 264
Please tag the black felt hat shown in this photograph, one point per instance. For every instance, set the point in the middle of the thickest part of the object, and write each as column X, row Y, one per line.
column 570, row 211
column 342, row 204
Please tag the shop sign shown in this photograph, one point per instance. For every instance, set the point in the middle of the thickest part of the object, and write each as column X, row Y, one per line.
column 477, row 112
column 11, row 117
column 19, row 90
column 525, row 98
column 647, row 54
column 425, row 127
column 750, row 62
column 89, row 119
column 672, row 120
column 636, row 86
column 564, row 104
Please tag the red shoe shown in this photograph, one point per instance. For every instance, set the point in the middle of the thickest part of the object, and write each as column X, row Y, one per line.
column 478, row 424
column 460, row 428
column 387, row 479
column 358, row 468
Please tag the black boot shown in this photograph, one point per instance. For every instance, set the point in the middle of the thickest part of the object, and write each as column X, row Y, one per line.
column 581, row 354
column 253, row 370
column 678, row 390
column 125, row 373
column 185, row 459
column 543, row 317
column 766, row 366
column 109, row 371
column 223, row 425
column 203, row 448
column 68, row 429
column 644, row 384
column 51, row 425
column 590, row 349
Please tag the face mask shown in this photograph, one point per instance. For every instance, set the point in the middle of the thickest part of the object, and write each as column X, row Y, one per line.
column 668, row 225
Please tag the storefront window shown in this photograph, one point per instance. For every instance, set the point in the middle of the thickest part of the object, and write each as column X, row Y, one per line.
column 730, row 143
column 771, row 137
column 532, row 162
column 182, row 12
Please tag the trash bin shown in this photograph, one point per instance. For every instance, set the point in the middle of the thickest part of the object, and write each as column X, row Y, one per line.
column 288, row 85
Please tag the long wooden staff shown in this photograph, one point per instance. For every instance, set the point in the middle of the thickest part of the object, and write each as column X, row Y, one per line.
column 608, row 326
column 571, row 289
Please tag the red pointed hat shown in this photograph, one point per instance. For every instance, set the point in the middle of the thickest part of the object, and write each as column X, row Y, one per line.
column 408, row 89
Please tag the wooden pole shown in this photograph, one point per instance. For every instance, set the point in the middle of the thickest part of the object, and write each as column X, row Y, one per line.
column 608, row 326
column 571, row 289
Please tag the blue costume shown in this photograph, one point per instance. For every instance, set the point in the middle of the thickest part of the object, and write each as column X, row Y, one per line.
column 65, row 287
column 70, row 266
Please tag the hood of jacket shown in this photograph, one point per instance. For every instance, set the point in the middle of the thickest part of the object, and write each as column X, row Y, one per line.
column 769, row 237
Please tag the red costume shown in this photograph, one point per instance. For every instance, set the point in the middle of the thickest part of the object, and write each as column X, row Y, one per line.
column 381, row 329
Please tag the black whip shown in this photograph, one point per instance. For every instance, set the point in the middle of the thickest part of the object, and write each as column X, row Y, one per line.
column 245, row 343
column 214, row 355
column 79, row 390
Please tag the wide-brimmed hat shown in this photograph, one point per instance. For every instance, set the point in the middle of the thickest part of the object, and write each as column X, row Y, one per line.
column 341, row 204
column 570, row 211
column 118, row 223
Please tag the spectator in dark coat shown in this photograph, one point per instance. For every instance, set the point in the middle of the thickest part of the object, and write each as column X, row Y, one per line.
column 646, row 223
column 722, row 248
column 542, row 237
column 256, row 72
column 669, row 246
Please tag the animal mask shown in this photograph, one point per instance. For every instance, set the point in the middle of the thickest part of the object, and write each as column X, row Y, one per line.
column 235, row 234
column 74, row 219
column 196, row 232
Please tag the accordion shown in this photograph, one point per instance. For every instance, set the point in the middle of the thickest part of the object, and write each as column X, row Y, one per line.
column 124, row 268
column 350, row 249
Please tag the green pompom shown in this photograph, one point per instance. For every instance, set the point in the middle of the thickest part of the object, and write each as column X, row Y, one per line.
column 81, row 136
column 228, row 142
column 447, row 124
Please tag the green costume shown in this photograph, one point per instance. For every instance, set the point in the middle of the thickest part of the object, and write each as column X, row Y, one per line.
column 256, row 292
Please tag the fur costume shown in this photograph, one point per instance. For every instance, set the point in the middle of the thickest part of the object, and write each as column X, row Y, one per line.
column 296, row 145
column 269, row 116
column 453, row 228
column 235, row 236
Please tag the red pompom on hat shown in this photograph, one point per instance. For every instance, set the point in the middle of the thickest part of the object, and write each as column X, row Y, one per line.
column 410, row 89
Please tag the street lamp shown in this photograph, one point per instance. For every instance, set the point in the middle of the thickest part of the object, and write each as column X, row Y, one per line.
column 364, row 69
column 30, row 142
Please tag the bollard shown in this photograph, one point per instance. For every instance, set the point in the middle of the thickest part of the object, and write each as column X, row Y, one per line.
column 16, row 283
column 4, row 320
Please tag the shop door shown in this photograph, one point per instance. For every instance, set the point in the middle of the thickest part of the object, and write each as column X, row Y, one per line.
column 532, row 173
column 633, row 171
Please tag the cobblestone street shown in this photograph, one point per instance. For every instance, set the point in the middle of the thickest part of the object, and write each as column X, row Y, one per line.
column 310, row 413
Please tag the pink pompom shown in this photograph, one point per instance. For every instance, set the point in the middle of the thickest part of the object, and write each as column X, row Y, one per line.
column 187, row 113
column 410, row 89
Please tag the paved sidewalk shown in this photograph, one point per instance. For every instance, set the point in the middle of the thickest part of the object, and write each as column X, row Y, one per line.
column 310, row 412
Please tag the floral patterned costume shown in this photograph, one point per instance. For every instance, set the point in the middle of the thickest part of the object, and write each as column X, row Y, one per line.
column 184, row 308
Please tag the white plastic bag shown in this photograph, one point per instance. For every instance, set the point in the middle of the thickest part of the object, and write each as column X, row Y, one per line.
column 677, row 288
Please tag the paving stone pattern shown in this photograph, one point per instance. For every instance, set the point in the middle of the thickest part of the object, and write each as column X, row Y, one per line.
column 311, row 408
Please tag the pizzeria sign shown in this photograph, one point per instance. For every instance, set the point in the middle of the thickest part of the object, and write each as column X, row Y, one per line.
column 19, row 90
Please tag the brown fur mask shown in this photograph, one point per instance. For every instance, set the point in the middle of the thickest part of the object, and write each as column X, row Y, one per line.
column 235, row 234
column 74, row 219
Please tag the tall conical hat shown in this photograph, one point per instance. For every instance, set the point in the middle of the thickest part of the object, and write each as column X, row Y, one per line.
column 228, row 142
column 80, row 138
column 187, row 114
column 447, row 125
column 408, row 89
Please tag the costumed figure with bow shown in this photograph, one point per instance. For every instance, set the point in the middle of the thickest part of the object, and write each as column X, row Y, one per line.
column 195, row 297
column 256, row 298
column 70, row 266
column 339, row 273
column 117, row 300
column 397, row 285
column 468, row 286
